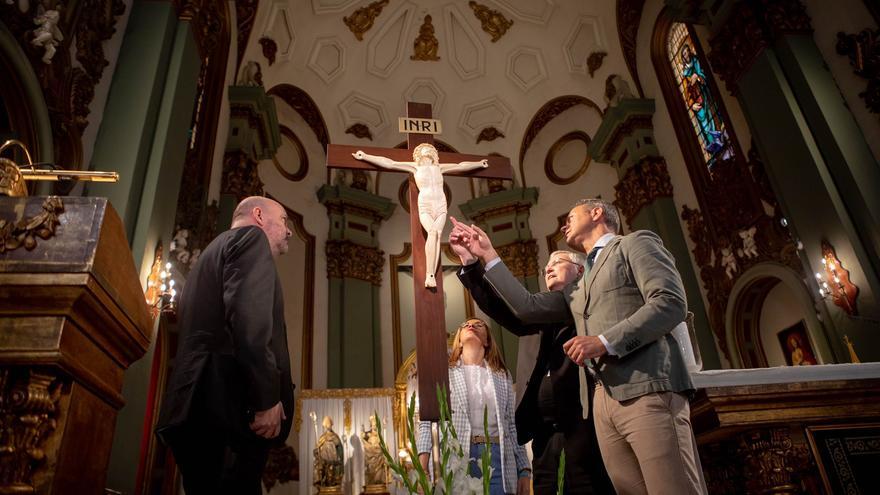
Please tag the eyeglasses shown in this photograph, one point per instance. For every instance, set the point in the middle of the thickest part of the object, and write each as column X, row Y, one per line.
column 556, row 263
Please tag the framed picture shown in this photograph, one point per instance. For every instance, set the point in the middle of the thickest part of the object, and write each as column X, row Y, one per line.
column 847, row 456
column 796, row 345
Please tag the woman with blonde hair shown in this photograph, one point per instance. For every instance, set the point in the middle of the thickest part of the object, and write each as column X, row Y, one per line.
column 478, row 381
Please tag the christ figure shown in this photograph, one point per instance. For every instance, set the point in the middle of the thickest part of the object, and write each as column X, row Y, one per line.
column 428, row 173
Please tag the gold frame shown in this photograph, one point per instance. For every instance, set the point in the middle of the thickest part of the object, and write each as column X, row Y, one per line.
column 817, row 458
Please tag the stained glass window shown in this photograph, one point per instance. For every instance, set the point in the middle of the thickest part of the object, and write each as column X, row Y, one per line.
column 702, row 106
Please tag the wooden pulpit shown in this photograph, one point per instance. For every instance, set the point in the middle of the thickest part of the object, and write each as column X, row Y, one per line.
column 72, row 318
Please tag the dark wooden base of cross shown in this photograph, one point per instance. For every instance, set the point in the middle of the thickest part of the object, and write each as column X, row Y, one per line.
column 432, row 360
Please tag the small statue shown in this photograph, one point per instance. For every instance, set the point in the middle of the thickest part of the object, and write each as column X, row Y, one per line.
column 616, row 89
column 750, row 248
column 375, row 469
column 47, row 33
column 426, row 45
column 251, row 75
column 362, row 19
column 728, row 261
column 328, row 457
column 493, row 22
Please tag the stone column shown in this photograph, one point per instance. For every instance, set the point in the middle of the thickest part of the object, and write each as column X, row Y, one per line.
column 504, row 215
column 354, row 270
column 816, row 157
column 644, row 198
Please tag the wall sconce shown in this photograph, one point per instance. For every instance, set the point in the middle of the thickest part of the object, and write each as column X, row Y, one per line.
column 160, row 293
column 835, row 282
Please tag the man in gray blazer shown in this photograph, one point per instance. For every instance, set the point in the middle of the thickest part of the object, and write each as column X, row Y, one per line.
column 624, row 309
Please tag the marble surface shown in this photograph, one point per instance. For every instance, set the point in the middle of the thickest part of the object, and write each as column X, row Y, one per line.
column 785, row 374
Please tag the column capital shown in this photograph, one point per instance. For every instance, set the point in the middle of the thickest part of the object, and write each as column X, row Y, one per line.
column 642, row 183
column 626, row 133
column 520, row 257
column 503, row 214
column 253, row 122
column 345, row 259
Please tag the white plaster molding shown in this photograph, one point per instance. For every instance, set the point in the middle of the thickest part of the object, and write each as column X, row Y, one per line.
column 464, row 50
column 331, row 6
column 526, row 68
column 492, row 111
column 399, row 25
column 534, row 11
column 279, row 28
column 425, row 90
column 358, row 108
column 327, row 59
column 586, row 36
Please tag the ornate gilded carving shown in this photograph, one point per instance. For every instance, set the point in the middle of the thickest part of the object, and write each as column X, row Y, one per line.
column 629, row 14
column 843, row 291
column 772, row 462
column 746, row 34
column 359, row 130
column 554, row 150
column 282, row 466
column 545, row 114
column 644, row 182
column 493, row 22
column 335, row 393
column 594, row 61
column 426, row 45
column 25, row 232
column 490, row 133
column 863, row 50
column 270, row 48
column 241, row 175
column 11, row 181
column 346, row 259
column 304, row 105
column 362, row 19
column 28, row 415
column 521, row 257
column 245, row 13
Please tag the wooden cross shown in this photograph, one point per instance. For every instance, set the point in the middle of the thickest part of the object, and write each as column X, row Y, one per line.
column 431, row 358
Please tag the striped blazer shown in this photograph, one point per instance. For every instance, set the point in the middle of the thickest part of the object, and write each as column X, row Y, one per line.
column 513, row 455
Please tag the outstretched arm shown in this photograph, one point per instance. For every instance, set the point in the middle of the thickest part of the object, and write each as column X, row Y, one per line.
column 384, row 162
column 463, row 166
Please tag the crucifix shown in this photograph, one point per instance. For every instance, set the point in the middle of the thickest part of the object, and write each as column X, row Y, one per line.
column 431, row 357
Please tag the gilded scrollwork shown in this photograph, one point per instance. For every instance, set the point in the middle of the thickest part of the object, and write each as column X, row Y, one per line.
column 363, row 18
column 521, row 257
column 346, row 259
column 594, row 61
column 28, row 415
column 241, row 176
column 425, row 46
column 641, row 185
column 490, row 133
column 25, row 231
column 493, row 22
column 863, row 50
column 359, row 130
column 270, row 49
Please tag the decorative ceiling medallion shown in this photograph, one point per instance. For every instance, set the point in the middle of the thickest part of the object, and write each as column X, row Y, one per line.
column 270, row 48
column 387, row 48
column 594, row 61
column 480, row 114
column 279, row 29
column 357, row 108
column 465, row 51
column 359, row 130
column 534, row 11
column 493, row 22
column 585, row 37
column 289, row 140
column 331, row 6
column 425, row 90
column 327, row 59
column 525, row 67
column 550, row 165
column 363, row 18
column 426, row 46
column 489, row 134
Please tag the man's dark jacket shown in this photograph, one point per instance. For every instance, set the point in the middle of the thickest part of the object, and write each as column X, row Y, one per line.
column 232, row 358
column 528, row 416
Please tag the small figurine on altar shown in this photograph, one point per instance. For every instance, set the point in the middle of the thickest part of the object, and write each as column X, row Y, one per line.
column 375, row 468
column 328, row 458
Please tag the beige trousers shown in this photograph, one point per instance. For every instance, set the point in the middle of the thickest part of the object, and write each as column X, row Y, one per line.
column 648, row 445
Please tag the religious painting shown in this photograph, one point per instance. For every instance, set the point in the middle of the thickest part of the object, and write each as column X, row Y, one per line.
column 847, row 456
column 688, row 68
column 796, row 345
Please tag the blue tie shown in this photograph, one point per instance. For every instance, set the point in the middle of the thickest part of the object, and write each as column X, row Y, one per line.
column 591, row 257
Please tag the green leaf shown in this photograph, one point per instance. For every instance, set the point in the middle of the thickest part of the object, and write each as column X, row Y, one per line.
column 560, row 473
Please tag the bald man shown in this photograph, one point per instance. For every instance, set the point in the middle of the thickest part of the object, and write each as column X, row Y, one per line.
column 230, row 395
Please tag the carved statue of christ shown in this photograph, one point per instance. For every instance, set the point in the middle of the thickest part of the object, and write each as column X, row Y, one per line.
column 428, row 173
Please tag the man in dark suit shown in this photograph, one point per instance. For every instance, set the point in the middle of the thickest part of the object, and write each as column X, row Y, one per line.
column 230, row 396
column 624, row 310
column 550, row 413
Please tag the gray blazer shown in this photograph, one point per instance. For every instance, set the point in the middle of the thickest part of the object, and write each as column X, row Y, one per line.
column 634, row 297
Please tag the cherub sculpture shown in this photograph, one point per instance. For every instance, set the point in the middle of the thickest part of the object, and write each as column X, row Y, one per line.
column 47, row 34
